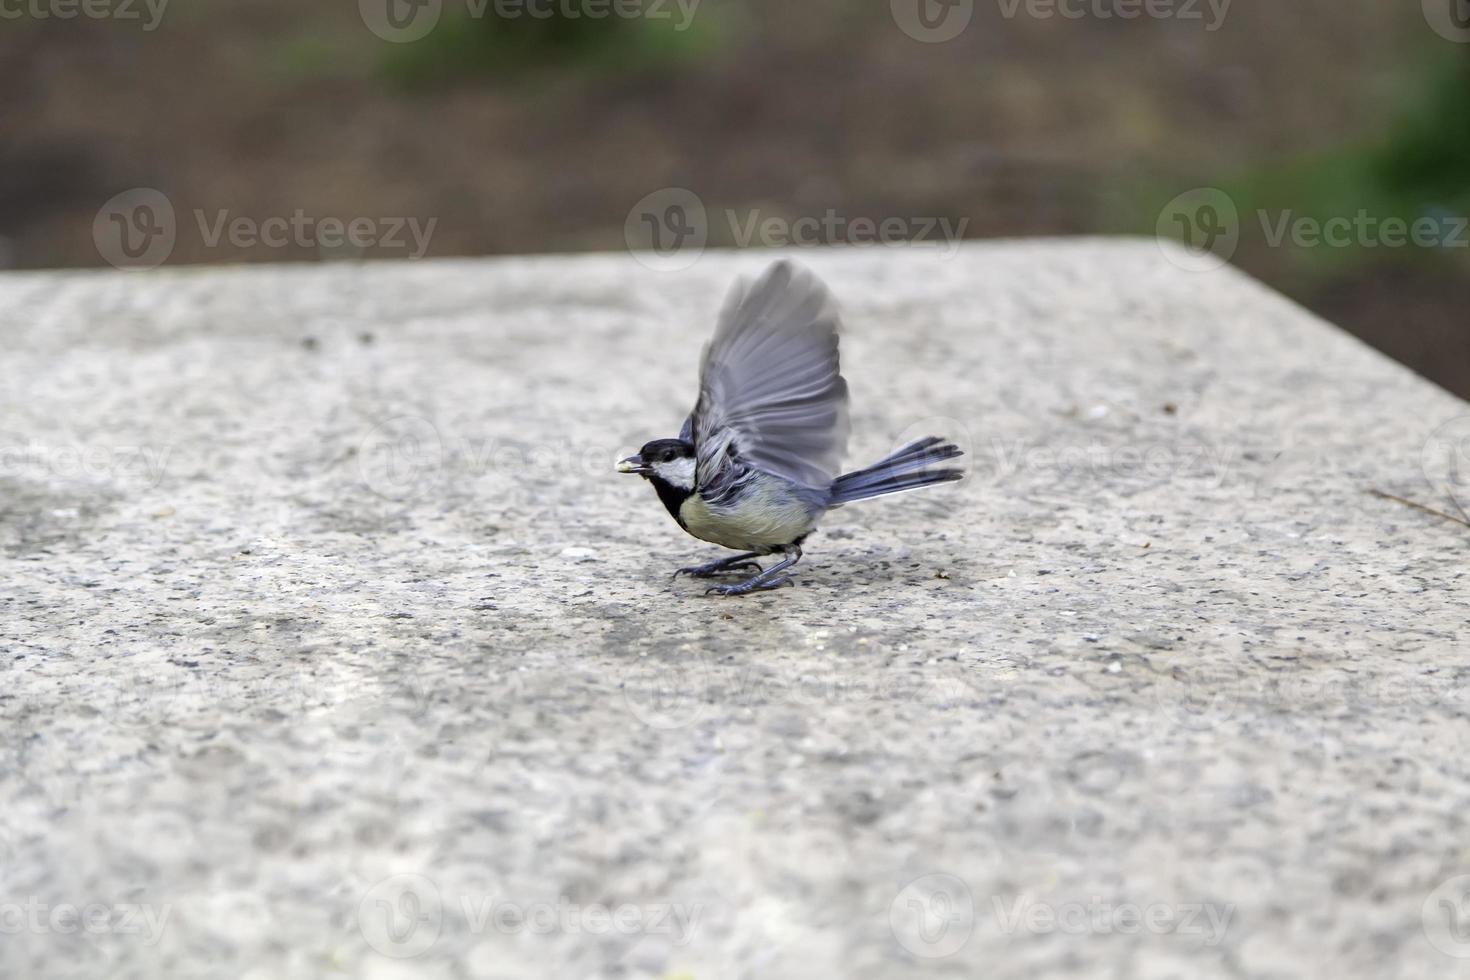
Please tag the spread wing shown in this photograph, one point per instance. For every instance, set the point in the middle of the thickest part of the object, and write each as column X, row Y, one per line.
column 770, row 388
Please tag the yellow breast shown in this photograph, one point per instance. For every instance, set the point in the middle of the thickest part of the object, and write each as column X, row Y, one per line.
column 762, row 519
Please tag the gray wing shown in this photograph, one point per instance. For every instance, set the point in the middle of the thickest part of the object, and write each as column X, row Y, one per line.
column 771, row 387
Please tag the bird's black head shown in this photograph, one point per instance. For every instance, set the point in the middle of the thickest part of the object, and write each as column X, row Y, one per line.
column 670, row 461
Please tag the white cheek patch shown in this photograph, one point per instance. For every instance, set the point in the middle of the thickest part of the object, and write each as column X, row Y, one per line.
column 678, row 472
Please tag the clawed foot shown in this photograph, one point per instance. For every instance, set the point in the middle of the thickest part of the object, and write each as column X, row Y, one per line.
column 718, row 568
column 757, row 584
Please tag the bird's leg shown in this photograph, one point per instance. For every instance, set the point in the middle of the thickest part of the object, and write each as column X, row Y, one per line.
column 723, row 565
column 771, row 578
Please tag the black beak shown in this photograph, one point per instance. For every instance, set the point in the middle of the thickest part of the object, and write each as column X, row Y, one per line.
column 635, row 465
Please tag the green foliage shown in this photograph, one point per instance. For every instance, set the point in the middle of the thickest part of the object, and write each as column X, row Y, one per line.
column 1428, row 157
column 1416, row 167
column 491, row 46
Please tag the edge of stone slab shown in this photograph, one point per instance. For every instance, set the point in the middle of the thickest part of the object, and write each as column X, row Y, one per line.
column 755, row 256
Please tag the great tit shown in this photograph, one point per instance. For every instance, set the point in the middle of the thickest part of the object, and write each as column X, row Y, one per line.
column 756, row 464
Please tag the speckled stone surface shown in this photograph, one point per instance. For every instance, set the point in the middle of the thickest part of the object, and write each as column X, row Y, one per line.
column 332, row 645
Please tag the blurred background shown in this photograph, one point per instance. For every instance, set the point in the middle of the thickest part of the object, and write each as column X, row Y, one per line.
column 519, row 133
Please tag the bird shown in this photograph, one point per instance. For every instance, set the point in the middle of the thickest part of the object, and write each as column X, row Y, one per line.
column 756, row 464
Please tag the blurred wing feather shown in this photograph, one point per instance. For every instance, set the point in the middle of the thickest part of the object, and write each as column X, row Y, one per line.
column 770, row 390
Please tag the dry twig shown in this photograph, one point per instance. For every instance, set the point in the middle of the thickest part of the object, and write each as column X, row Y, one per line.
column 1464, row 520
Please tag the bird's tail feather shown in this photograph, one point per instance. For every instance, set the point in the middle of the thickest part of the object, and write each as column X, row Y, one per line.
column 910, row 468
